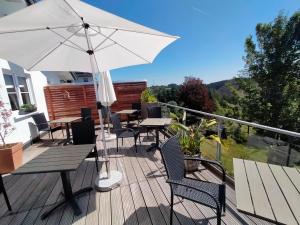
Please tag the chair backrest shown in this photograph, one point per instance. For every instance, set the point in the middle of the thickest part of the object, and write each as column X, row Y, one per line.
column 173, row 158
column 40, row 121
column 86, row 114
column 115, row 120
column 154, row 112
column 83, row 132
column 136, row 105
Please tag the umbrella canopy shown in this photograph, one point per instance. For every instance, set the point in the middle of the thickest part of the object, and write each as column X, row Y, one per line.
column 106, row 90
column 52, row 36
column 69, row 35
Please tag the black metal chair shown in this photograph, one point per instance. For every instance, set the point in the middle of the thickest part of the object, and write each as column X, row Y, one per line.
column 138, row 114
column 43, row 125
column 86, row 114
column 203, row 192
column 84, row 133
column 123, row 132
column 2, row 190
column 154, row 112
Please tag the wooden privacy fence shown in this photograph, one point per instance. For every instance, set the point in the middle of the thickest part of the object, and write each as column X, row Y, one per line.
column 67, row 99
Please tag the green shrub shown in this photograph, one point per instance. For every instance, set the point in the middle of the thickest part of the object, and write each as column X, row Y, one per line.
column 148, row 97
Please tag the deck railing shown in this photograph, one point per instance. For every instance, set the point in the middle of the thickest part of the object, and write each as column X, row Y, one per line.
column 283, row 140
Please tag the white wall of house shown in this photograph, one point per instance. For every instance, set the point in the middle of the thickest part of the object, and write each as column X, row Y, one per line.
column 24, row 129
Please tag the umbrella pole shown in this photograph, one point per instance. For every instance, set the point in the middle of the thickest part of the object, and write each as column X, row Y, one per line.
column 111, row 179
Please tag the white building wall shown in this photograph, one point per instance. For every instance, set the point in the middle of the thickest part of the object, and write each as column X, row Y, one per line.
column 24, row 129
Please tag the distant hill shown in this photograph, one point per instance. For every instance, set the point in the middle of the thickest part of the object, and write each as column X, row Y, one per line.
column 221, row 87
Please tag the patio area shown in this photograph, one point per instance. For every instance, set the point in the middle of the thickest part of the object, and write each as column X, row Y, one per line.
column 142, row 198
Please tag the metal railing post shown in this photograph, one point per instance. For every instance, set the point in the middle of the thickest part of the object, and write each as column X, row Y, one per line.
column 184, row 117
column 219, row 147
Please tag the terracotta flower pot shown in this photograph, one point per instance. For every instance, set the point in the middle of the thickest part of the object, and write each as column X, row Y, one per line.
column 191, row 165
column 11, row 157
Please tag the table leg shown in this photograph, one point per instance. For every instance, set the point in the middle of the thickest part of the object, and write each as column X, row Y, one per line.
column 155, row 145
column 2, row 190
column 69, row 196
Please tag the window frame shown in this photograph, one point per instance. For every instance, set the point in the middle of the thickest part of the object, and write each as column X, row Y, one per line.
column 18, row 89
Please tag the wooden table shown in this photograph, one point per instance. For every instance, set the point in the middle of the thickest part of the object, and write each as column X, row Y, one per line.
column 67, row 121
column 157, row 124
column 267, row 191
column 127, row 112
column 63, row 159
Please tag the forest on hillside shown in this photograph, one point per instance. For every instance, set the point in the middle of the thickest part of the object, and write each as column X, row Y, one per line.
column 266, row 91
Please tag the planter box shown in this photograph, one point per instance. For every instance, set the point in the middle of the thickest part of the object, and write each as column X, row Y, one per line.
column 191, row 165
column 11, row 157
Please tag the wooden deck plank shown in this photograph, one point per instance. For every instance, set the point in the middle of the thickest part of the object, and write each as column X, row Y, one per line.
column 153, row 209
column 260, row 199
column 278, row 203
column 117, row 217
column 288, row 189
column 130, row 216
column 105, row 209
column 140, row 206
column 294, row 176
column 243, row 196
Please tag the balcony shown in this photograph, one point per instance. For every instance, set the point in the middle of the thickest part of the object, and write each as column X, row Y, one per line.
column 142, row 198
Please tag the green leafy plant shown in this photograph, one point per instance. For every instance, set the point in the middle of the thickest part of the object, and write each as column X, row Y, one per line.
column 28, row 108
column 148, row 97
column 190, row 138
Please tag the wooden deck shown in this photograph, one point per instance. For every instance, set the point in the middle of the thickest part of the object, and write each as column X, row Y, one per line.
column 143, row 197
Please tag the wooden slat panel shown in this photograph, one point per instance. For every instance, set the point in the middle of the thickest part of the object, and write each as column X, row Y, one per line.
column 66, row 100
column 260, row 200
column 291, row 194
column 279, row 205
column 294, row 176
column 242, row 191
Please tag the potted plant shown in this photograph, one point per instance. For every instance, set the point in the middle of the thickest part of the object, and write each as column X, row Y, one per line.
column 27, row 108
column 147, row 99
column 11, row 154
column 191, row 138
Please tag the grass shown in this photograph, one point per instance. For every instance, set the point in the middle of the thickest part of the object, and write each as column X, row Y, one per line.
column 230, row 150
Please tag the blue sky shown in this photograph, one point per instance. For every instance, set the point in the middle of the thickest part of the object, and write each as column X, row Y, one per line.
column 212, row 34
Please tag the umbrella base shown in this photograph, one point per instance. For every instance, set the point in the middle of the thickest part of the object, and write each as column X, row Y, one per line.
column 103, row 183
column 108, row 137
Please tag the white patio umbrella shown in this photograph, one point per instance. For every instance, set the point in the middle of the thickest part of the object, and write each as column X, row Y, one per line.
column 107, row 95
column 70, row 35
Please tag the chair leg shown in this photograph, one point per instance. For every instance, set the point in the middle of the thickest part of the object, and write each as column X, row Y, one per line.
column 2, row 189
column 51, row 135
column 135, row 139
column 219, row 216
column 122, row 141
column 224, row 201
column 171, row 210
column 117, row 144
column 96, row 159
column 140, row 139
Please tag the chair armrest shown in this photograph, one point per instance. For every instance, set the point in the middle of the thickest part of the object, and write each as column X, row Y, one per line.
column 180, row 183
column 123, row 129
column 210, row 162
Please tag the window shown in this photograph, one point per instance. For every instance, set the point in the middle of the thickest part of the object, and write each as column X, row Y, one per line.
column 17, row 90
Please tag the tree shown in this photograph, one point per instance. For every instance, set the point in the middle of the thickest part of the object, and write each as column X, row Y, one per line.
column 194, row 94
column 271, row 81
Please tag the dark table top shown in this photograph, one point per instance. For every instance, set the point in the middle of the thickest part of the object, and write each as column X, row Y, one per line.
column 57, row 159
